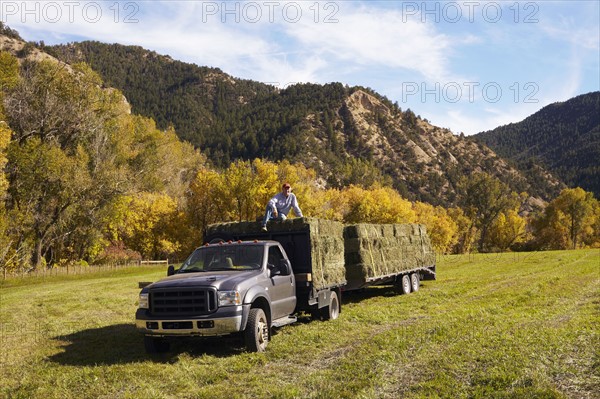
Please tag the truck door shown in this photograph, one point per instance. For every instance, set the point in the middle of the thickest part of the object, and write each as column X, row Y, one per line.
column 282, row 290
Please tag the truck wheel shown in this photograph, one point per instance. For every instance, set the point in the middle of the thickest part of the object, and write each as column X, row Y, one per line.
column 156, row 345
column 256, row 334
column 414, row 282
column 332, row 311
column 405, row 284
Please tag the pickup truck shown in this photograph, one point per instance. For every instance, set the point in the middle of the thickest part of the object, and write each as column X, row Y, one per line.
column 244, row 281
column 242, row 287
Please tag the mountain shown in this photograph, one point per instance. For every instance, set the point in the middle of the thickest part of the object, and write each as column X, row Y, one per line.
column 563, row 137
column 349, row 135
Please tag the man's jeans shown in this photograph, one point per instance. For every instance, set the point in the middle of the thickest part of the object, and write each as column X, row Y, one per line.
column 269, row 216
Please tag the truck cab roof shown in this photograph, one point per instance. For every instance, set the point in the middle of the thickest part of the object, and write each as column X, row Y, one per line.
column 239, row 242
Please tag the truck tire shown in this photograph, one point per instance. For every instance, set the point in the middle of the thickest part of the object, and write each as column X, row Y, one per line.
column 332, row 311
column 415, row 282
column 405, row 284
column 155, row 345
column 256, row 334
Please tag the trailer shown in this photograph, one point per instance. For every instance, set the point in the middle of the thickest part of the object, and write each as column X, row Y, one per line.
column 246, row 281
column 381, row 254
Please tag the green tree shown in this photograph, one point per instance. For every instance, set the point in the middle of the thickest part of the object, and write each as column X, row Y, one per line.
column 46, row 184
column 466, row 233
column 483, row 199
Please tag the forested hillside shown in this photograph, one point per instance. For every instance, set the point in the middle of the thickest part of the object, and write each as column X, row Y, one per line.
column 349, row 135
column 564, row 137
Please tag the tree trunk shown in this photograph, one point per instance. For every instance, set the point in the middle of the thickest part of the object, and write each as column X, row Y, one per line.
column 573, row 239
column 36, row 259
column 482, row 238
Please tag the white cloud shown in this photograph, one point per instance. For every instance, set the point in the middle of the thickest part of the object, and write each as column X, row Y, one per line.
column 569, row 30
column 472, row 121
column 376, row 37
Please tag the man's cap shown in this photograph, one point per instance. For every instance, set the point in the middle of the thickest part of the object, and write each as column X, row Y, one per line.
column 286, row 185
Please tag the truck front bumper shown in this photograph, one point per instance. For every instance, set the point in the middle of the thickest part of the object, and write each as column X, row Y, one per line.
column 225, row 321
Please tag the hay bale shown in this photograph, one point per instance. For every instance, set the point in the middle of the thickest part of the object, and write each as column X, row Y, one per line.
column 373, row 251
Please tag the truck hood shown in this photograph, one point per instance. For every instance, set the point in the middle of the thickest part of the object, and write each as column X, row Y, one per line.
column 221, row 280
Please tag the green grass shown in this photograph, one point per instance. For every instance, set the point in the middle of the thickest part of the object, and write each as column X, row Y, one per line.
column 491, row 326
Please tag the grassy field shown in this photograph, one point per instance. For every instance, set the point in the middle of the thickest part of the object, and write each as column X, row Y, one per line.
column 491, row 326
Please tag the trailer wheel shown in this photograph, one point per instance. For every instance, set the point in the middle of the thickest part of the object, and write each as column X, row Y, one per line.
column 332, row 311
column 256, row 334
column 415, row 282
column 405, row 284
column 156, row 345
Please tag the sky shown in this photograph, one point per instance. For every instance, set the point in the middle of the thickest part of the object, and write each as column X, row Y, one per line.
column 469, row 66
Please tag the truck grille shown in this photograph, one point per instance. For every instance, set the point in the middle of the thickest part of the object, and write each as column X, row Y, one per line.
column 182, row 301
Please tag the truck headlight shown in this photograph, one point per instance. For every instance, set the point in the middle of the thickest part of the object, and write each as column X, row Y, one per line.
column 229, row 298
column 143, row 301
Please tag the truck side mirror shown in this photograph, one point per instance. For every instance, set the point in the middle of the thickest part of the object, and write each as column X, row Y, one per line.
column 171, row 270
column 285, row 267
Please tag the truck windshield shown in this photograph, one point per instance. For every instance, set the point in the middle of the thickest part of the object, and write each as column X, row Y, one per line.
column 230, row 257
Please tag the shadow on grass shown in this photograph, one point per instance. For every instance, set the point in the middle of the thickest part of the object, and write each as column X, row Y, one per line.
column 363, row 294
column 123, row 344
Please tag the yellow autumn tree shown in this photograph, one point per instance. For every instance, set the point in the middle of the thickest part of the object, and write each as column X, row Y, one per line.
column 266, row 183
column 333, row 204
column 9, row 78
column 592, row 237
column 9, row 71
column 146, row 223
column 568, row 221
column 442, row 229
column 6, row 252
column 377, row 205
column 204, row 202
column 506, row 230
column 239, row 187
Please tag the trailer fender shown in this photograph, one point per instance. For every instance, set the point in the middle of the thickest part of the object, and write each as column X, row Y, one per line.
column 324, row 297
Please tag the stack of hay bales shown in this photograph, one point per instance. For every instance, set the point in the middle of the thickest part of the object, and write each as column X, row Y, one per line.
column 324, row 239
column 327, row 252
column 376, row 250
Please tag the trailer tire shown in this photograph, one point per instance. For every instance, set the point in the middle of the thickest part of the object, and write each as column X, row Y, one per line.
column 415, row 281
column 256, row 334
column 332, row 311
column 155, row 345
column 405, row 284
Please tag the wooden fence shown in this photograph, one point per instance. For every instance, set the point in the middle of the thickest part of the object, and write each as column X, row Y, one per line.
column 77, row 270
